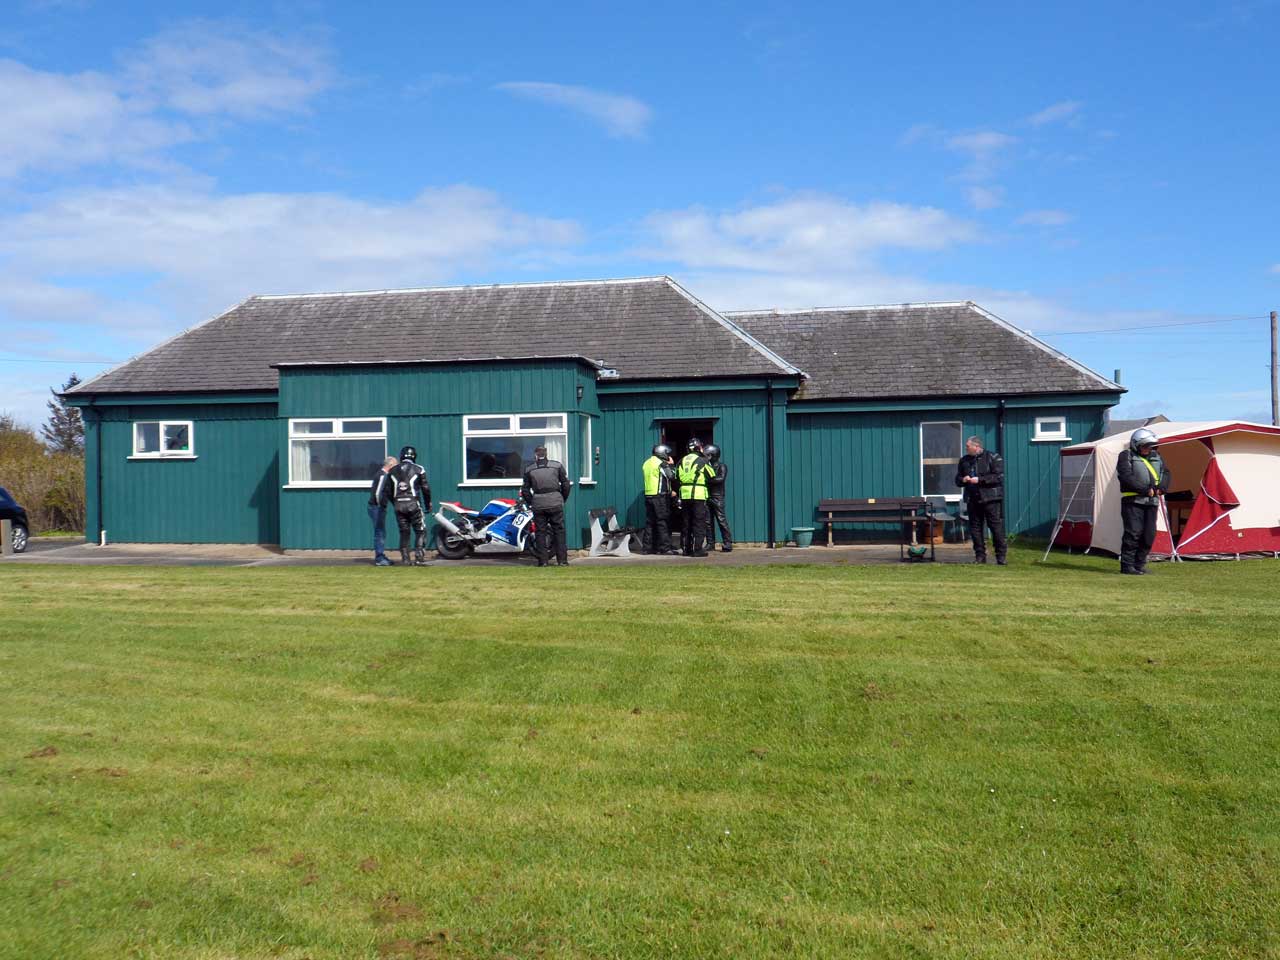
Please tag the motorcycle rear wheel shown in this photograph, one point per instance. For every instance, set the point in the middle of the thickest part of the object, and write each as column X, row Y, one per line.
column 450, row 546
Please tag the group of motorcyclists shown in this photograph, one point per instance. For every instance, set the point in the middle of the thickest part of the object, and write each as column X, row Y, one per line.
column 691, row 491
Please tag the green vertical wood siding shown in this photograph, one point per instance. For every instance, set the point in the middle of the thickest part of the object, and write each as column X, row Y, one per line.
column 228, row 494
column 424, row 406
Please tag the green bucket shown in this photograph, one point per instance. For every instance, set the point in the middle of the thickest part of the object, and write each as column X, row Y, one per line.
column 803, row 536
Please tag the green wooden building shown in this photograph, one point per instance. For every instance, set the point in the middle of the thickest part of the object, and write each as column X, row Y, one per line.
column 266, row 423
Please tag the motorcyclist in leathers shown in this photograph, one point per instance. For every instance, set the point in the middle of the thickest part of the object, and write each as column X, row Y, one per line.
column 410, row 498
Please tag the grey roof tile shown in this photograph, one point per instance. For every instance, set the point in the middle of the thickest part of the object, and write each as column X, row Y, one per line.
column 644, row 328
column 915, row 350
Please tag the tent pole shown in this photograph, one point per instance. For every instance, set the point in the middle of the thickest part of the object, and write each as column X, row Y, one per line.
column 1173, row 547
column 1058, row 526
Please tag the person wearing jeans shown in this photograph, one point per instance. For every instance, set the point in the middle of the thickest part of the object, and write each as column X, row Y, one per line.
column 379, row 497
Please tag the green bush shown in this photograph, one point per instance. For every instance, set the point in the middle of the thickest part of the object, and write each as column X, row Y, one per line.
column 49, row 485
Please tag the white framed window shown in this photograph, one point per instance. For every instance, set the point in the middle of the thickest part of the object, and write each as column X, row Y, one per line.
column 173, row 439
column 496, row 447
column 941, row 447
column 587, row 473
column 336, row 452
column 1051, row 428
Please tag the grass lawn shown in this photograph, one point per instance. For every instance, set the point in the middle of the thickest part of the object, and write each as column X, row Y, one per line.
column 1044, row 761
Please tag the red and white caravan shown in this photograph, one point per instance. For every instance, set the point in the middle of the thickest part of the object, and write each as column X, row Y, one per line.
column 1224, row 500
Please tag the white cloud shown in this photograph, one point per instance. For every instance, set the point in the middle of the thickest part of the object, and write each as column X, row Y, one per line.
column 806, row 232
column 203, row 68
column 985, row 198
column 984, row 149
column 165, row 93
column 210, row 250
column 1046, row 218
column 620, row 115
column 1275, row 269
column 1064, row 110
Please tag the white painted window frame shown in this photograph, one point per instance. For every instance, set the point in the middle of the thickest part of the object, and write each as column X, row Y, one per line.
column 1041, row 435
column 950, row 497
column 162, row 454
column 587, row 473
column 339, row 433
column 512, row 430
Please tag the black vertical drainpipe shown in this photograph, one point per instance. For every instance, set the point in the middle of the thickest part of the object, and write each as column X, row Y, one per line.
column 1000, row 427
column 769, row 479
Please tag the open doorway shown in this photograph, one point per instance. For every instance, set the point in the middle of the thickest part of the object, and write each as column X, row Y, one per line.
column 677, row 433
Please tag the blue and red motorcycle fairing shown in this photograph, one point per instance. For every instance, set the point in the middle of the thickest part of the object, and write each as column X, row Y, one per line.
column 500, row 526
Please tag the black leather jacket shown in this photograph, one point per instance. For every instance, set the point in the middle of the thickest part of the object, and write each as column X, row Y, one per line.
column 410, row 484
column 715, row 482
column 380, row 489
column 988, row 467
column 546, row 485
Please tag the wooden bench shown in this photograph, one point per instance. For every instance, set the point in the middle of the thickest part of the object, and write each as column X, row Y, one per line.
column 906, row 512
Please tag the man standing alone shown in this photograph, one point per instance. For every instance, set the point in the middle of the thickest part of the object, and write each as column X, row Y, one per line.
column 546, row 488
column 1143, row 481
column 379, row 496
column 981, row 474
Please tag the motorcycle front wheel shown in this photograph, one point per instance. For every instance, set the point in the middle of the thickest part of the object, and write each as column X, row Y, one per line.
column 450, row 546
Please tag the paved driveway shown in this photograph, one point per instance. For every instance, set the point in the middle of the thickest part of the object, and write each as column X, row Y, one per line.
column 76, row 551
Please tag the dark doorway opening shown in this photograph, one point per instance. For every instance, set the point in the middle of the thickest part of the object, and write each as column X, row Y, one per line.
column 677, row 433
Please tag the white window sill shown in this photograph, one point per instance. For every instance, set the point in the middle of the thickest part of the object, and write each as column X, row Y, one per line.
column 1050, row 439
column 585, row 482
column 331, row 485
column 156, row 456
column 508, row 482
column 949, row 497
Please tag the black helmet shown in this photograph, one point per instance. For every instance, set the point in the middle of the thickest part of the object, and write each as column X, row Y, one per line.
column 695, row 445
column 711, row 452
column 661, row 450
column 409, row 453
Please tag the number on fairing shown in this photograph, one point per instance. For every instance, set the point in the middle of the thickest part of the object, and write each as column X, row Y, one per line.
column 521, row 520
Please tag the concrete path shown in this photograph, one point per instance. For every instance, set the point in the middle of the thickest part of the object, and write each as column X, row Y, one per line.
column 55, row 550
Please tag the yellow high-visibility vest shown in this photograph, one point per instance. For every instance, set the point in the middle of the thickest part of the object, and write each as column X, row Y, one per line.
column 693, row 477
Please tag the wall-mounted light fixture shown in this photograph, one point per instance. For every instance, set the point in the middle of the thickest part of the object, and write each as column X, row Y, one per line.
column 580, row 391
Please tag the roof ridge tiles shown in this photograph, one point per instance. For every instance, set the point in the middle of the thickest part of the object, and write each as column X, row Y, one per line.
column 457, row 287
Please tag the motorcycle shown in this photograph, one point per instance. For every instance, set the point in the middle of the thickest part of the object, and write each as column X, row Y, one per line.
column 501, row 526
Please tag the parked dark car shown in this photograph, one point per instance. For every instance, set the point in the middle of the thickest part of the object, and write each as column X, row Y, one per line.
column 9, row 510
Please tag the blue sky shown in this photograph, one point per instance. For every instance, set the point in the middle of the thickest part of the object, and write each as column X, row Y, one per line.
column 1080, row 170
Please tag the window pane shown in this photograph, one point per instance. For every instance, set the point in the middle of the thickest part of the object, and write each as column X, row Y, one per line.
column 146, row 438
column 488, row 423
column 177, row 438
column 318, row 461
column 362, row 426
column 504, row 458
column 939, row 479
column 313, row 426
column 941, row 440
column 551, row 422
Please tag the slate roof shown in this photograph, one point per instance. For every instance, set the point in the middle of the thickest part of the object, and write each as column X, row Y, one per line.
column 1128, row 426
column 916, row 350
column 644, row 328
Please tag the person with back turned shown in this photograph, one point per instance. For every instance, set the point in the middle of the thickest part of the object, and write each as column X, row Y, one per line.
column 410, row 496
column 1144, row 479
column 659, row 474
column 379, row 497
column 715, row 500
column 981, row 474
column 693, row 473
column 545, row 489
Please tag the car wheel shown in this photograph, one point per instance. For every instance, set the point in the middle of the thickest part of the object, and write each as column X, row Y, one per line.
column 19, row 538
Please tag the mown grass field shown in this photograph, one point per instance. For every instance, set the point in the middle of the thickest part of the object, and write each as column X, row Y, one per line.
column 902, row 761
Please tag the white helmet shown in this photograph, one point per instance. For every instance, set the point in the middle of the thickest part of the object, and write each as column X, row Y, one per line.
column 1142, row 437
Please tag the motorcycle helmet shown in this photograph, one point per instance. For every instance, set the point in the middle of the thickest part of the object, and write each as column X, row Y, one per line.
column 695, row 445
column 711, row 452
column 661, row 450
column 409, row 453
column 1142, row 437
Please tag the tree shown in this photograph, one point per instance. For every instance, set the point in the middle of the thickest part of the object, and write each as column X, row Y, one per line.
column 64, row 431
